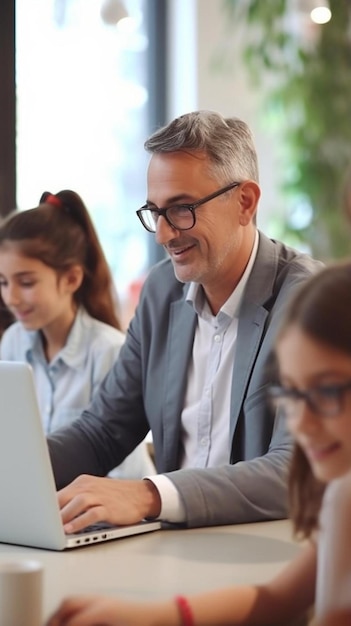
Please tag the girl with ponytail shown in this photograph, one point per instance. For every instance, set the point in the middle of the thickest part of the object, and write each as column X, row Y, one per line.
column 55, row 281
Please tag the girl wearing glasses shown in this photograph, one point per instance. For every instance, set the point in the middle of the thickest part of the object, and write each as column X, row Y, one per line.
column 55, row 281
column 313, row 351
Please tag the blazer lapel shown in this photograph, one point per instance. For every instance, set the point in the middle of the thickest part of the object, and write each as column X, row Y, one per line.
column 179, row 350
column 250, row 329
column 252, row 317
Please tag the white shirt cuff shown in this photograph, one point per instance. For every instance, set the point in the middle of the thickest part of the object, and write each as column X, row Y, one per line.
column 172, row 509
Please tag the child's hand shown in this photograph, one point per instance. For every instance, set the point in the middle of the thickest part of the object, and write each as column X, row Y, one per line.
column 106, row 611
column 88, row 611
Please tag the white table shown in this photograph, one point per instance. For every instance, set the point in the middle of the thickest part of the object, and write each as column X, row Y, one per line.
column 164, row 563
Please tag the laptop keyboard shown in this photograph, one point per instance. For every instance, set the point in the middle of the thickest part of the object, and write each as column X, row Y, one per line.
column 94, row 527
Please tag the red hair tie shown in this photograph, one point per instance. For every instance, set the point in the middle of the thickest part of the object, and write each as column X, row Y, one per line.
column 51, row 199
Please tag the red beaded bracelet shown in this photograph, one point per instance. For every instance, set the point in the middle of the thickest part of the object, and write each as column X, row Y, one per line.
column 185, row 611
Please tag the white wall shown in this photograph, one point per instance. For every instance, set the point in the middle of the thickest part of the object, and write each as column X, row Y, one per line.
column 198, row 32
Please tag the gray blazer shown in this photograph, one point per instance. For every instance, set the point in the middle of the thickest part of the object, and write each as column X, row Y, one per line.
column 146, row 387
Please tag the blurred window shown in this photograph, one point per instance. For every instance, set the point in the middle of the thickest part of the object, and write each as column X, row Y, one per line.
column 83, row 116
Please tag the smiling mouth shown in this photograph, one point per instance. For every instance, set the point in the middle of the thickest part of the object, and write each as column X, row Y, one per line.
column 22, row 314
column 319, row 454
column 180, row 250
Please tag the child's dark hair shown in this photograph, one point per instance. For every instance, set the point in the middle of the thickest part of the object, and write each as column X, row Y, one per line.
column 60, row 233
column 321, row 309
column 6, row 317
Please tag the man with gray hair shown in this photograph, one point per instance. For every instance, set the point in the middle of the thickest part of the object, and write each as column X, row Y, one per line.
column 194, row 365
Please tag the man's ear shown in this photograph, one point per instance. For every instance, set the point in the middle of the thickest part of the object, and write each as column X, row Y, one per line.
column 249, row 195
column 74, row 278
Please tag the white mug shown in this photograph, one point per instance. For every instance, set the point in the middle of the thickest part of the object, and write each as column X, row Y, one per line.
column 21, row 593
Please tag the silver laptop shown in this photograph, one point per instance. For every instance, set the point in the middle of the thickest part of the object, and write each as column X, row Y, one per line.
column 29, row 511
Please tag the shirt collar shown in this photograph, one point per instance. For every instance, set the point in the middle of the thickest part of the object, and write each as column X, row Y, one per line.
column 73, row 352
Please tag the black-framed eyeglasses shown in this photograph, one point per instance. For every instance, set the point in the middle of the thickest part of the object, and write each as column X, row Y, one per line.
column 179, row 216
column 324, row 400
